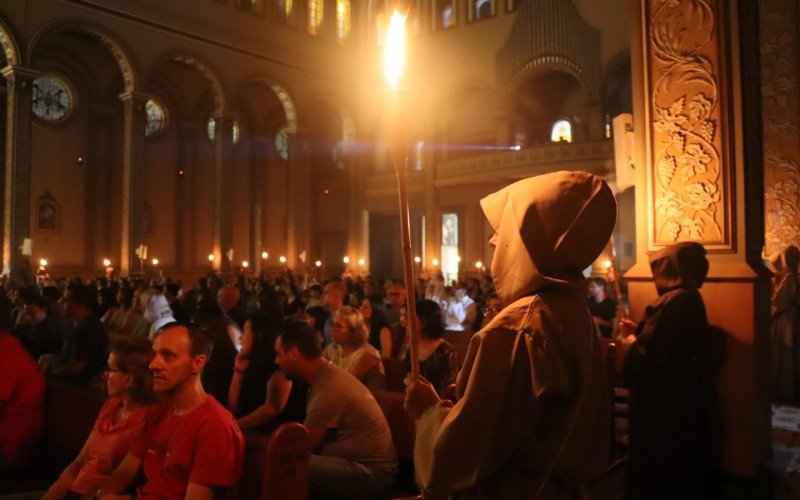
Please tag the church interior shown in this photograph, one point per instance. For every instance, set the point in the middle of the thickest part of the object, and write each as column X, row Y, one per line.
column 244, row 139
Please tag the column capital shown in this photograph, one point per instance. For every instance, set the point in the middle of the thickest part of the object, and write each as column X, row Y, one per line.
column 134, row 96
column 19, row 74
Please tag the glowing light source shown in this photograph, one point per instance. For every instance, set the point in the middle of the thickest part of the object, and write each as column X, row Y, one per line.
column 394, row 51
column 435, row 262
column 361, row 262
column 106, row 262
column 282, row 259
column 264, row 255
column 346, row 259
column 155, row 262
column 417, row 259
column 318, row 263
column 43, row 262
column 245, row 264
column 479, row 265
column 517, row 147
column 211, row 257
column 607, row 264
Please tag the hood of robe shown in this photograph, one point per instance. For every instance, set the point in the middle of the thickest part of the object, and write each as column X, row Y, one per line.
column 786, row 261
column 549, row 229
column 682, row 265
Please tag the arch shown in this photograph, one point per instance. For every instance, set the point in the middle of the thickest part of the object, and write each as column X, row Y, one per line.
column 549, row 62
column 198, row 63
column 348, row 123
column 283, row 95
column 9, row 44
column 115, row 47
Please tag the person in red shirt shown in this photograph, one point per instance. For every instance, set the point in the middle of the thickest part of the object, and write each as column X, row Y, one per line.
column 21, row 398
column 120, row 423
column 193, row 449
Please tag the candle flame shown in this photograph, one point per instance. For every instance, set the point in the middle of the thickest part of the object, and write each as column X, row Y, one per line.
column 395, row 50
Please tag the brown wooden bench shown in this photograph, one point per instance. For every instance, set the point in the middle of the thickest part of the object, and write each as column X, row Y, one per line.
column 70, row 411
column 403, row 430
column 276, row 466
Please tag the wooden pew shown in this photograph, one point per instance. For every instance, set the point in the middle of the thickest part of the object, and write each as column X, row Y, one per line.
column 403, row 430
column 69, row 414
column 276, row 466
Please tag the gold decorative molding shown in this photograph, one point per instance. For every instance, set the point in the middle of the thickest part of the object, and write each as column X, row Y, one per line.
column 689, row 192
column 780, row 110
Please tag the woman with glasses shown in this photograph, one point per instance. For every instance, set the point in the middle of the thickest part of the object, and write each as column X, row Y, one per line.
column 351, row 351
column 120, row 423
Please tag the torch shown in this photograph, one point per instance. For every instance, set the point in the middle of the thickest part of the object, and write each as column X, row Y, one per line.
column 394, row 58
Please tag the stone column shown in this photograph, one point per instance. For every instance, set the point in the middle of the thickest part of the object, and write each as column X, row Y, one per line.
column 355, row 236
column 134, row 118
column 298, row 209
column 433, row 218
column 17, row 180
column 698, row 140
column 223, row 221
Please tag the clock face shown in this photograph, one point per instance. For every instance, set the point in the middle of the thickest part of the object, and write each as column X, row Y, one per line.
column 282, row 143
column 51, row 100
column 155, row 118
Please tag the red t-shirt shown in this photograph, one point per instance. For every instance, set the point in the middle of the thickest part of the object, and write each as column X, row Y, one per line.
column 22, row 394
column 204, row 446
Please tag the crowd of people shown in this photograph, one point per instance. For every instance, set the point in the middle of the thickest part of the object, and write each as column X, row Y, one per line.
column 270, row 337
column 186, row 369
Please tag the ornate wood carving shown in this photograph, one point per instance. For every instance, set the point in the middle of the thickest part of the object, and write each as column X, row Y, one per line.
column 780, row 108
column 687, row 152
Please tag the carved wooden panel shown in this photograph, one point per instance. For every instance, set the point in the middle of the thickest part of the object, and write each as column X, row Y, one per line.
column 780, row 108
column 687, row 152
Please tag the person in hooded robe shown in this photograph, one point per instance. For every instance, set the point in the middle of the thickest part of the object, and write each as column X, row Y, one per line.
column 785, row 324
column 667, row 371
column 533, row 411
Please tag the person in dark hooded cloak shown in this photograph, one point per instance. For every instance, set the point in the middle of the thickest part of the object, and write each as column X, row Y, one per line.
column 785, row 323
column 533, row 411
column 666, row 371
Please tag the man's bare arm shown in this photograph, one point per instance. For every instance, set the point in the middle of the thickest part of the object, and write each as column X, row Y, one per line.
column 200, row 492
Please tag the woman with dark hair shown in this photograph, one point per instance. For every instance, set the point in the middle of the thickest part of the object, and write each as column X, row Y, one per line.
column 380, row 335
column 260, row 396
column 120, row 423
column 218, row 372
column 438, row 362
column 107, row 304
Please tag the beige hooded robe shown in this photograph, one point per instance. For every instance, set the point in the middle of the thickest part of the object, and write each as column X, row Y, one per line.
column 533, row 394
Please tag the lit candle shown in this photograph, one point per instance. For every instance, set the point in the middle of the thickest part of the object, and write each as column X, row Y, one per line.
column 479, row 265
column 318, row 263
column 155, row 262
column 211, row 257
column 361, row 262
column 346, row 259
column 282, row 259
column 43, row 262
column 264, row 255
column 245, row 264
column 106, row 262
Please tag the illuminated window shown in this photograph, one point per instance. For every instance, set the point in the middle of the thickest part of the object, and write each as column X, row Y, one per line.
column 342, row 19
column 482, row 9
column 562, row 131
column 419, row 152
column 608, row 127
column 448, row 17
column 282, row 142
column 211, row 130
column 451, row 262
column 284, row 10
column 155, row 118
column 315, row 11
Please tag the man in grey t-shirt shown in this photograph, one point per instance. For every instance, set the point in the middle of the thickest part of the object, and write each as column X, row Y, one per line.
column 354, row 456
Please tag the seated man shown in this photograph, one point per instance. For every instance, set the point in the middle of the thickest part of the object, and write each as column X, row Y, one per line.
column 354, row 454
column 40, row 332
column 194, row 449
column 21, row 399
column 85, row 349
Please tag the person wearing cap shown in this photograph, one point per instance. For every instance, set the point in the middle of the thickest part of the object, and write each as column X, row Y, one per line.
column 533, row 414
